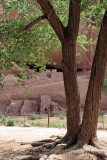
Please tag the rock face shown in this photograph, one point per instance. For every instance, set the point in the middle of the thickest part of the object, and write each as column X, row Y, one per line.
column 45, row 92
column 3, row 108
column 15, row 107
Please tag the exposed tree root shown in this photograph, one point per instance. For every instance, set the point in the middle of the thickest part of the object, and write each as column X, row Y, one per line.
column 25, row 143
column 28, row 158
column 62, row 146
column 70, row 142
column 60, row 140
column 101, row 144
column 73, row 147
column 42, row 142
column 95, row 143
column 94, row 150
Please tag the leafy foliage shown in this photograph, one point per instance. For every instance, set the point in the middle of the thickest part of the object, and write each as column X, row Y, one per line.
column 32, row 116
column 25, row 48
column 30, row 47
column 52, row 114
column 2, row 118
column 93, row 11
column 10, row 122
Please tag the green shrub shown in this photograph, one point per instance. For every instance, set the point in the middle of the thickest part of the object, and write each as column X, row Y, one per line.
column 53, row 124
column 10, row 122
column 64, row 114
column 32, row 116
column 1, row 115
column 53, row 136
column 39, row 124
column 2, row 118
column 64, row 125
column 101, row 113
column 52, row 114
column 18, row 122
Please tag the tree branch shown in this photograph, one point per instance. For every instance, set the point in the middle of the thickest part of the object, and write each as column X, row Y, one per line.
column 52, row 18
column 50, row 38
column 35, row 21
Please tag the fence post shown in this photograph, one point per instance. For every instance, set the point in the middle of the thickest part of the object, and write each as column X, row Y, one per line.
column 48, row 117
column 103, row 118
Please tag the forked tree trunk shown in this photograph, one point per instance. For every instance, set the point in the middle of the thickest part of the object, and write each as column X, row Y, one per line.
column 67, row 36
column 71, row 89
column 92, row 103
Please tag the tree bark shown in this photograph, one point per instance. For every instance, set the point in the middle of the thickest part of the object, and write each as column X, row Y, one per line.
column 70, row 71
column 35, row 21
column 71, row 89
column 89, row 124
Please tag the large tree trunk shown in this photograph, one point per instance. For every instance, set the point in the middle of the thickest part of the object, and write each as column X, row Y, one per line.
column 71, row 89
column 92, row 103
column 70, row 71
column 67, row 36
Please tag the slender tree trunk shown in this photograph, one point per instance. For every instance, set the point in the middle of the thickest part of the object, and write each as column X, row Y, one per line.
column 71, row 89
column 92, row 103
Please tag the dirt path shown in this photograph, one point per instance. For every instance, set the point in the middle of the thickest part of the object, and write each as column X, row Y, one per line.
column 28, row 134
column 12, row 137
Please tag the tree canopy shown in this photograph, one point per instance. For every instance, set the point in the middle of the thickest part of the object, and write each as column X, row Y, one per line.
column 30, row 46
column 26, row 42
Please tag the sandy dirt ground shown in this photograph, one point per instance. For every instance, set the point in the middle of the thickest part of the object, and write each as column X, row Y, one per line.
column 29, row 134
column 12, row 137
